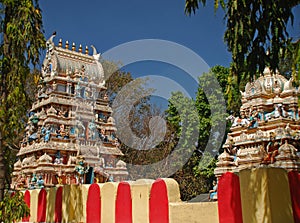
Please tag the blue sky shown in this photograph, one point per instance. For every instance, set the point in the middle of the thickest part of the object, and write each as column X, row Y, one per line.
column 107, row 24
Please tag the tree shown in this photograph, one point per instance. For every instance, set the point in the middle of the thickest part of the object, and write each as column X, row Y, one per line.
column 197, row 175
column 115, row 78
column 133, row 112
column 22, row 40
column 13, row 208
column 256, row 32
column 290, row 63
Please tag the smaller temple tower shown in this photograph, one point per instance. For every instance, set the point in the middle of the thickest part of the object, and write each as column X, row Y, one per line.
column 267, row 130
column 70, row 135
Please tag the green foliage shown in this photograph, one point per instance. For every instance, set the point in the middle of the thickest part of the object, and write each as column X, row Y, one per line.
column 256, row 32
column 206, row 166
column 197, row 174
column 115, row 78
column 173, row 150
column 183, row 124
column 187, row 128
column 22, row 30
column 13, row 207
column 190, row 184
column 192, row 5
column 290, row 63
column 22, row 39
column 187, row 134
column 210, row 103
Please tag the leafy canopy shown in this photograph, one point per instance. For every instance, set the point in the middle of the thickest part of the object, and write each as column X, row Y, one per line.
column 21, row 41
column 256, row 31
column 13, row 208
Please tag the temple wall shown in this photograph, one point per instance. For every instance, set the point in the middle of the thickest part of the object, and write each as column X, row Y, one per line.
column 108, row 204
column 138, row 201
column 194, row 212
column 257, row 195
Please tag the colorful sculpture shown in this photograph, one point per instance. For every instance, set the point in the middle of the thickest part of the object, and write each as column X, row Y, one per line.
column 268, row 118
column 62, row 122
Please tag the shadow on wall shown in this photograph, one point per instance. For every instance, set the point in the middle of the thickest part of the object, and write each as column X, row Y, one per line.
column 137, row 201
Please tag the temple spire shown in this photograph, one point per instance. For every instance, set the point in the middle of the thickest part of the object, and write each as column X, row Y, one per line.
column 60, row 43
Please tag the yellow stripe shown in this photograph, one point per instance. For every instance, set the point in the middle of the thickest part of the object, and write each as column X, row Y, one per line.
column 265, row 196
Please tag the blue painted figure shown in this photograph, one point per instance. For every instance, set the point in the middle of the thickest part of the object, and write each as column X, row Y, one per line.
column 47, row 134
column 81, row 170
column 58, row 158
column 34, row 119
column 77, row 90
column 33, row 137
column 33, row 181
column 40, row 182
column 91, row 134
column 72, row 130
column 101, row 117
column 111, row 178
column 213, row 193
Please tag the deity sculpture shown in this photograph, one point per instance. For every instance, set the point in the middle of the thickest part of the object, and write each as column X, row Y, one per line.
column 91, row 134
column 33, row 181
column 40, row 182
column 58, row 159
column 81, row 170
column 62, row 123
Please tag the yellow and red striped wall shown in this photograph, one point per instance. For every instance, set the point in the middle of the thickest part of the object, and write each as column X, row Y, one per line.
column 256, row 195
column 144, row 201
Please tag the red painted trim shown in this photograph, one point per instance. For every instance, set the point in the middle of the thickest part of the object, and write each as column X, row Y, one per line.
column 58, row 205
column 229, row 199
column 294, row 181
column 42, row 205
column 27, row 201
column 159, row 202
column 123, row 204
column 93, row 205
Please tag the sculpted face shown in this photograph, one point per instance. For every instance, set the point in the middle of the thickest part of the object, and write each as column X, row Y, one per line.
column 268, row 85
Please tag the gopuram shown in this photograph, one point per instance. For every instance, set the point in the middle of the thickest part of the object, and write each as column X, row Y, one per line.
column 267, row 130
column 70, row 136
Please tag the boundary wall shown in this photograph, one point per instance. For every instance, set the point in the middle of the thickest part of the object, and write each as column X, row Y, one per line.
column 269, row 195
column 141, row 201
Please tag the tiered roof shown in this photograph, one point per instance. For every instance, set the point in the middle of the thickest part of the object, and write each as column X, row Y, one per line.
column 70, row 125
column 267, row 124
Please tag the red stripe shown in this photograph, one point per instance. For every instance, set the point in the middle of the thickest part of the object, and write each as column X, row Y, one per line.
column 93, row 206
column 42, row 204
column 159, row 202
column 123, row 204
column 27, row 201
column 229, row 199
column 294, row 181
column 58, row 205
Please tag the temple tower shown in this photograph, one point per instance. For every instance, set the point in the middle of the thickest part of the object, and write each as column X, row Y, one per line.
column 70, row 136
column 267, row 130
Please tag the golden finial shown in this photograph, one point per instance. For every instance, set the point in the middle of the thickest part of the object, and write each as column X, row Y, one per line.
column 80, row 49
column 60, row 43
column 86, row 50
column 73, row 46
column 67, row 44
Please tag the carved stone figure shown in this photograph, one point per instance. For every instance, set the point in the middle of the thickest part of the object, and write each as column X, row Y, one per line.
column 267, row 118
column 62, row 124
